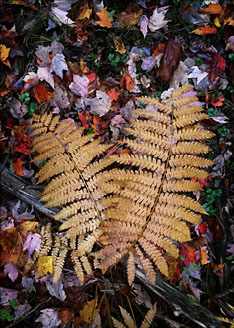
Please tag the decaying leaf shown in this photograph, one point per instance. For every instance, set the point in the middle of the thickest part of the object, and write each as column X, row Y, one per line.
column 129, row 18
column 120, row 47
column 58, row 65
column 11, row 270
column 42, row 94
column 170, row 60
column 213, row 9
column 89, row 311
column 32, row 243
column 100, row 105
column 49, row 318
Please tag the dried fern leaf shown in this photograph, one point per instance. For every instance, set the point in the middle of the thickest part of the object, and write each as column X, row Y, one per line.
column 147, row 210
column 74, row 172
column 149, row 317
column 127, row 318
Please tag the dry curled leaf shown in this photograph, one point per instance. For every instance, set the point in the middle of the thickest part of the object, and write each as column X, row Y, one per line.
column 170, row 60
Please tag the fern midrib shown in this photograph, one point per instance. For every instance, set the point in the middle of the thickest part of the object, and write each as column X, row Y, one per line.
column 80, row 174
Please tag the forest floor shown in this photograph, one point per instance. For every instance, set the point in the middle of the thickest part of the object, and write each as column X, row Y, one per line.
column 88, row 61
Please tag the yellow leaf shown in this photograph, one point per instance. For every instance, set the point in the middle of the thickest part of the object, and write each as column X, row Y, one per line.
column 85, row 12
column 27, row 226
column 4, row 52
column 120, row 47
column 44, row 265
column 83, row 66
column 217, row 22
column 104, row 20
column 89, row 311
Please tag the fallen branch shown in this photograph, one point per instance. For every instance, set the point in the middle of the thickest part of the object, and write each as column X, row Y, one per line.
column 22, row 189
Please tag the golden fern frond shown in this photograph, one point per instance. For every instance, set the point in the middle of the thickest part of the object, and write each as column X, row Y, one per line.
column 74, row 164
column 147, row 210
column 46, row 240
column 148, row 319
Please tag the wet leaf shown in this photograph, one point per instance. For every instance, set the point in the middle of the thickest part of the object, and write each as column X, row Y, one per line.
column 170, row 60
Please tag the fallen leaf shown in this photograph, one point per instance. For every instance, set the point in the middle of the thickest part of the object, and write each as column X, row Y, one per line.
column 79, row 86
column 4, row 52
column 113, row 94
column 217, row 100
column 129, row 18
column 117, row 120
column 213, row 8
column 60, row 16
column 17, row 109
column 18, row 166
column 85, row 118
column 170, row 60
column 100, row 105
column 217, row 22
column 129, row 81
column 157, row 20
column 203, row 251
column 32, row 243
column 56, row 290
column 104, row 20
column 89, row 311
column 119, row 47
column 58, row 65
column 144, row 25
column 197, row 74
column 203, row 30
column 85, row 12
column 11, row 270
column 98, row 125
column 179, row 77
column 45, row 265
column 66, row 316
column 159, row 49
column 44, row 74
column 49, row 318
column 148, row 63
column 41, row 94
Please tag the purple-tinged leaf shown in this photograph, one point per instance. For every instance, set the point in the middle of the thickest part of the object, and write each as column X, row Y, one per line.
column 11, row 270
column 148, row 63
column 32, row 243
column 49, row 318
column 79, row 86
column 144, row 25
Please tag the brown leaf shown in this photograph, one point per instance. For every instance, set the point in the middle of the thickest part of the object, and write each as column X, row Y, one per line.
column 170, row 60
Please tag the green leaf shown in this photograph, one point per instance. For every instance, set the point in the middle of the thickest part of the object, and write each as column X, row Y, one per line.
column 90, row 130
column 13, row 302
column 187, row 271
column 12, row 170
column 111, row 14
column 193, row 265
column 5, row 314
column 192, row 299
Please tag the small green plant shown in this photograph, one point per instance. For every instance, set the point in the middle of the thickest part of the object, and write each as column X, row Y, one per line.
column 210, row 195
column 31, row 106
column 6, row 314
column 212, row 112
column 199, row 62
column 231, row 56
column 114, row 59
column 223, row 131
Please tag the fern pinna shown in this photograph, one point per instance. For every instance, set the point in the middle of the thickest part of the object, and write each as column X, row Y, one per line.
column 147, row 209
column 75, row 185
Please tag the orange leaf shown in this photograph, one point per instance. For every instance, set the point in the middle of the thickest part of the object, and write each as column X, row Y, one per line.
column 120, row 47
column 104, row 20
column 203, row 255
column 212, row 9
column 41, row 94
column 217, row 101
column 159, row 49
column 99, row 125
column 4, row 52
column 125, row 151
column 205, row 30
column 113, row 94
column 18, row 166
column 3, row 92
column 85, row 12
column 130, row 82
column 130, row 19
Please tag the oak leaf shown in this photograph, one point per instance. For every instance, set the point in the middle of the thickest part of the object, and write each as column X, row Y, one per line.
column 104, row 20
